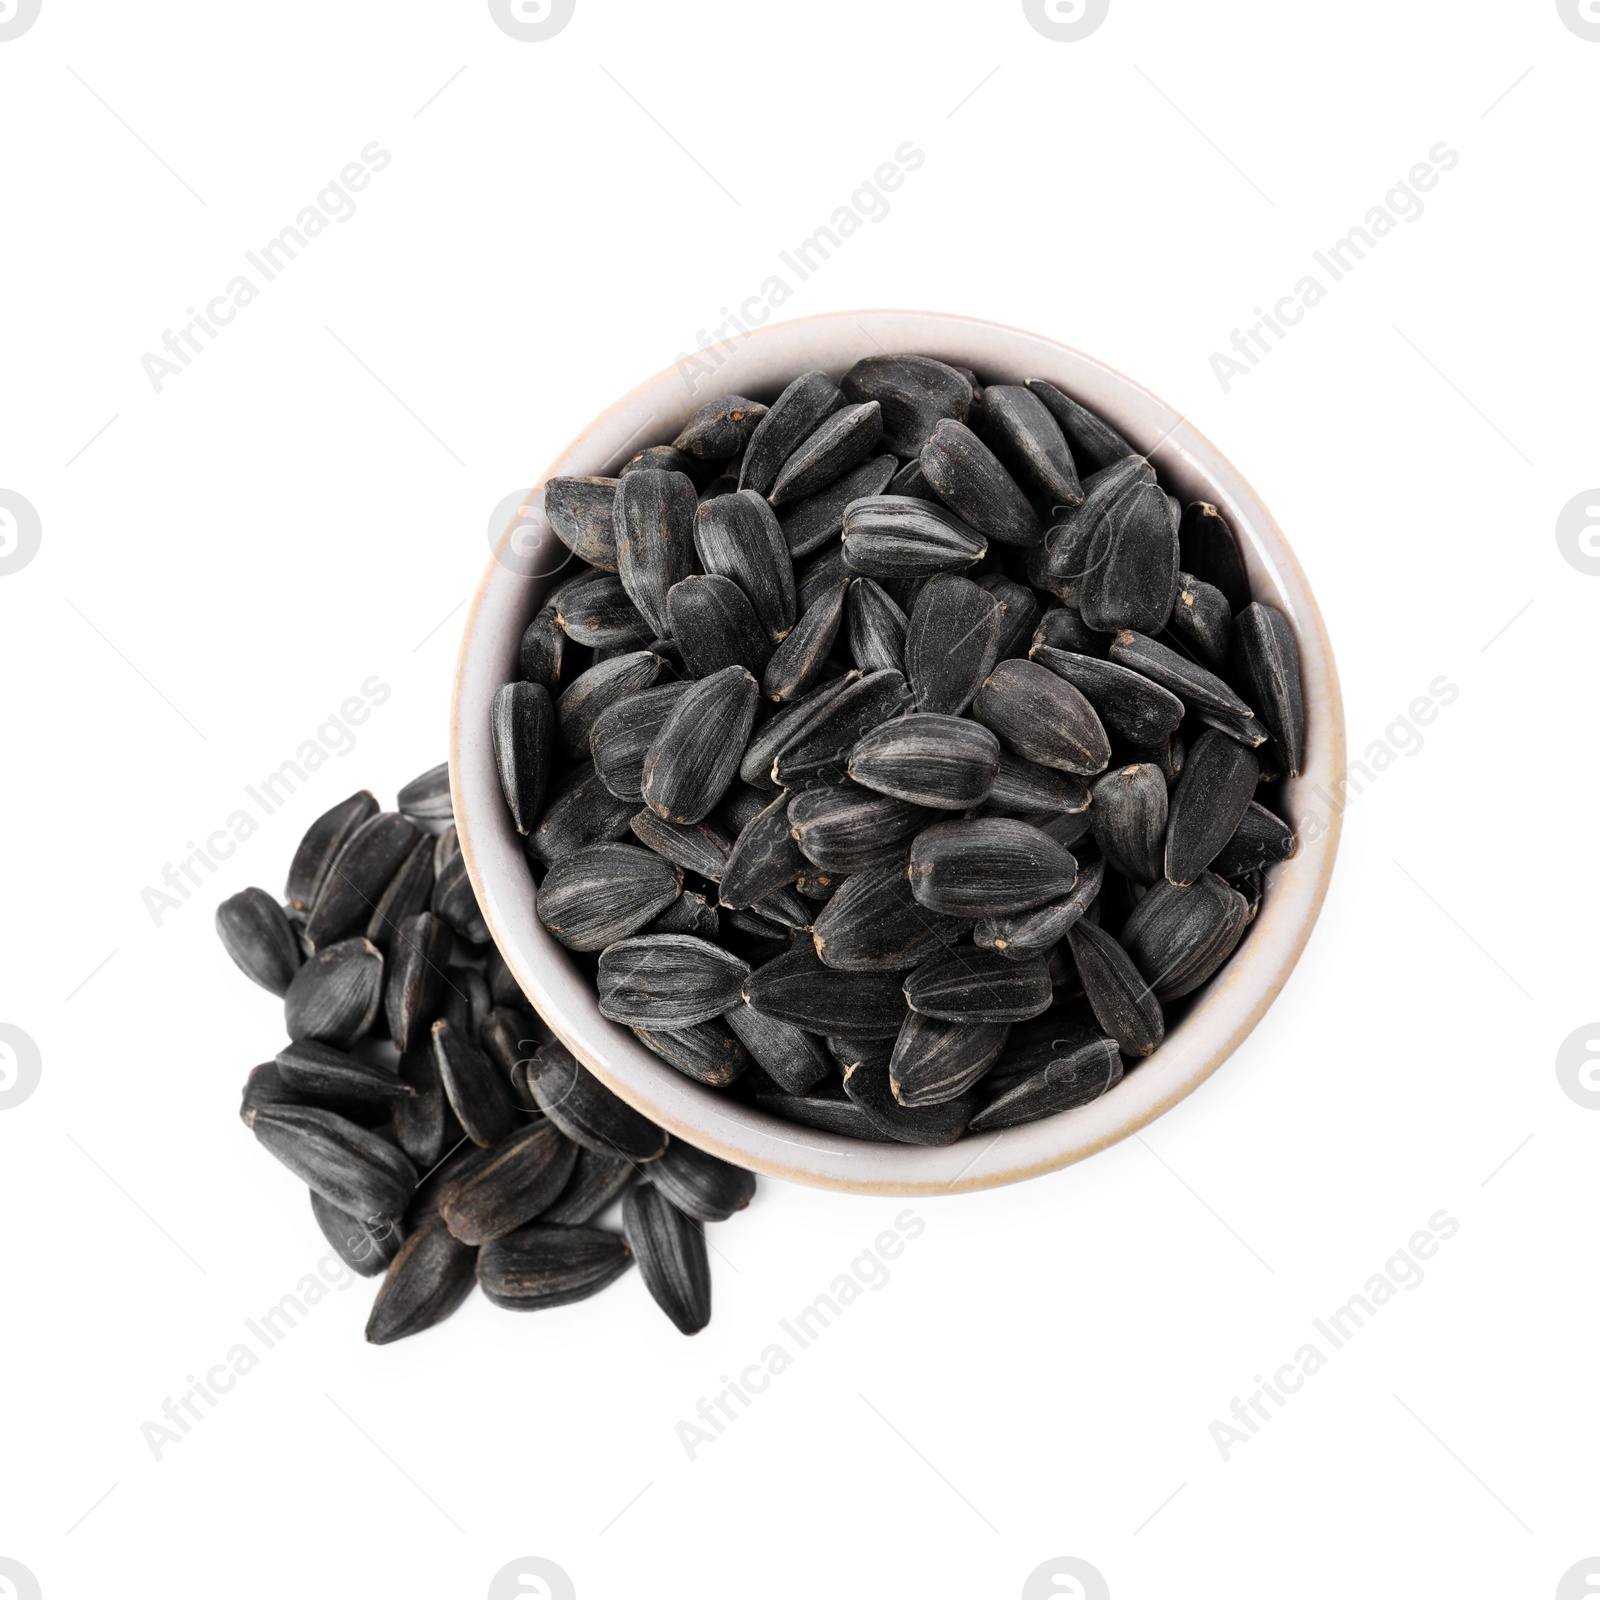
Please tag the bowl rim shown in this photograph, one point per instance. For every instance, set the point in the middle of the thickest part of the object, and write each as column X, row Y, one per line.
column 1229, row 1007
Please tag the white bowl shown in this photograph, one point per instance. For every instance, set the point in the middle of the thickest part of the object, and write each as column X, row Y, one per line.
column 758, row 365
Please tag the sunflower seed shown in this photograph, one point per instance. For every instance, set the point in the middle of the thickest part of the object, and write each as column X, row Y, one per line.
column 424, row 1124
column 848, row 828
column 798, row 989
column 414, row 978
column 696, row 754
column 264, row 1087
column 1065, row 827
column 877, row 627
column 849, row 1051
column 596, row 1181
column 1267, row 657
column 510, row 1184
column 970, row 985
column 1260, row 839
column 869, row 1085
column 819, row 754
column 1130, row 564
column 715, row 627
column 539, row 1267
column 764, row 857
column 1122, row 1001
column 896, row 536
column 1202, row 621
column 1212, row 796
column 1062, row 628
column 928, row 759
column 699, row 847
column 1042, row 718
column 354, row 884
column 334, row 997
column 1094, row 442
column 802, row 658
column 597, row 612
column 738, row 537
column 427, row 797
column 1129, row 705
column 915, row 392
column 580, row 511
column 794, row 1060
column 1197, row 688
column 708, row 1052
column 967, row 475
column 410, row 891
column 720, row 428
column 366, row 1248
column 583, row 812
column 1249, row 731
column 654, row 519
column 668, row 980
column 605, row 892
column 348, row 1166
column 522, row 726
column 671, row 1251
column 1026, row 788
column 951, row 644
column 588, row 1112
column 819, row 576
column 934, row 1060
column 699, row 1185
column 322, row 1075
column 829, row 1113
column 663, row 458
column 1130, row 820
column 1179, row 937
column 813, row 522
column 320, row 847
column 990, row 866
column 1029, row 441
column 805, row 404
column 624, row 731
column 873, row 923
column 606, row 682
column 455, row 903
column 786, row 725
column 1211, row 553
column 840, row 443
column 539, row 655
column 426, row 1282
column 1071, row 1079
column 475, row 1090
column 1027, row 933
column 257, row 934
column 1019, row 614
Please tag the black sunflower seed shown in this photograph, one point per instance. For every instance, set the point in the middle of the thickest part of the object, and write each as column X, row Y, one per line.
column 989, row 866
column 264, row 1087
column 1212, row 795
column 896, row 536
column 708, row 1052
column 654, row 519
column 322, row 1075
column 596, row 611
column 426, row 798
column 868, row 1084
column 624, row 731
column 818, row 755
column 580, row 512
column 701, row 1186
column 915, row 392
column 597, row 1179
column 479, row 1096
column 1130, row 820
column 1034, row 932
column 765, row 857
column 257, row 934
column 424, row 1124
column 414, row 978
column 811, row 523
column 334, row 997
column 967, row 475
column 720, row 428
column 738, row 537
column 935, row 1060
column 588, row 1112
column 1062, row 628
column 786, row 725
column 410, row 891
column 1249, row 731
column 522, row 726
column 1130, row 563
column 365, row 1247
column 606, row 682
column 539, row 655
column 1029, row 441
column 1267, row 657
column 668, row 980
column 952, row 642
column 1129, row 705
column 696, row 755
column 605, row 892
column 1094, row 442
column 805, row 404
column 538, row 1267
column 1073, row 1078
column 355, row 882
column 840, row 443
column 583, row 812
column 320, row 847
column 1019, row 615
column 1025, row 788
column 509, row 1184
column 696, row 847
column 1179, row 937
column 798, row 989
column 1202, row 620
column 873, row 923
column 829, row 1113
column 1122, row 1000
column 455, row 903
column 848, row 828
column 928, row 759
column 426, row 1282
column 671, row 1251
column 348, row 1166
column 794, row 1060
column 876, row 627
column 972, row 985
column 802, row 658
column 1211, row 553
column 1197, row 688
column 1042, row 718
column 1260, row 839
column 819, row 576
column 715, row 626
column 664, row 458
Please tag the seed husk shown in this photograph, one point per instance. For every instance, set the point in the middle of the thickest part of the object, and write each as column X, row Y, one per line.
column 738, row 537
column 668, row 980
column 478, row 1095
column 1028, row 933
column 849, row 829
column 1043, row 718
column 1260, row 839
column 1073, row 1078
column 967, row 475
column 1122, row 1001
column 765, row 857
column 1130, row 820
column 811, row 523
column 426, row 1282
column 1267, row 657
column 720, row 428
column 972, row 985
column 1128, row 704
column 605, row 892
column 1211, row 553
column 1248, row 731
column 319, row 849
column 671, row 1251
column 1095, row 444
column 580, row 511
column 653, row 516
column 1019, row 614
column 915, row 392
column 539, row 1267
column 424, row 1124
column 715, row 626
column 952, row 641
column 874, row 923
column 1029, row 440
column 606, row 682
column 455, row 903
column 876, row 627
column 935, row 1060
column 354, row 884
column 366, row 1248
column 701, row 847
column 1211, row 797
column 805, row 404
column 1202, row 621
column 928, row 759
column 510, row 1184
column 988, row 866
column 588, row 1112
column 264, row 1087
column 1025, row 788
column 583, row 812
column 868, row 1084
column 696, row 755
column 347, row 1165
column 426, row 798
column 522, row 726
column 843, row 441
column 897, row 536
column 1179, row 937
column 335, row 995
column 829, row 1113
column 410, row 890
column 701, row 1186
column 798, row 989
column 802, row 658
column 257, row 935
column 319, row 1073
column 819, row 754
column 597, row 1179
column 785, row 726
column 1130, row 575
column 1197, row 688
column 1062, row 628
column 540, row 653
column 708, row 1052
column 595, row 610
column 624, row 731
column 794, row 1060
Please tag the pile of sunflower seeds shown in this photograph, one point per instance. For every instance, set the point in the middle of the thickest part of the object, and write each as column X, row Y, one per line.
column 437, row 1151
column 885, row 771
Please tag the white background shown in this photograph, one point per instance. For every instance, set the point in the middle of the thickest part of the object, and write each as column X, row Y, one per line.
column 307, row 505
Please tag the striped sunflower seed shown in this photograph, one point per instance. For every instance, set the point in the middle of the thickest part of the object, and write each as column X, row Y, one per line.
column 426, row 1282
column 708, row 1052
column 915, row 393
column 365, row 1247
column 802, row 658
column 427, row 797
column 1062, row 564
column 798, row 989
column 583, row 812
column 1030, row 442
column 1130, row 574
column 320, row 847
column 896, row 536
column 335, row 995
column 805, row 404
column 1210, row 800
column 478, row 1095
column 1042, row 718
column 597, row 1179
column 355, row 882
column 1029, row 933
column 786, row 725
column 605, row 892
column 1197, row 688
column 1123, row 1002
column 671, row 1251
column 715, row 626
column 587, row 696
column 850, row 829
column 580, row 511
column 765, row 857
column 817, row 520
column 257, row 934
column 700, row 847
column 588, row 1112
column 935, row 1061
column 989, row 866
column 1024, row 787
column 510, row 1184
column 971, row 985
column 696, row 755
column 1267, row 657
column 967, row 475
column 868, row 1084
column 928, row 759
column 653, row 515
column 794, row 1060
column 596, row 611
column 873, row 923
column 701, row 1186
column 668, row 980
column 414, row 978
column 720, row 428
column 624, row 731
column 1130, row 820
column 1095, row 444
column 410, row 891
column 264, row 1087
column 819, row 754
column 424, row 1124
column 1202, row 621
column 522, row 726
column 539, row 1267
column 738, row 537
column 1129, row 705
column 876, row 627
column 843, row 441
column 952, row 642
column 1210, row 552
column 1178, row 938
column 348, row 1166
column 1073, row 1078
column 1019, row 615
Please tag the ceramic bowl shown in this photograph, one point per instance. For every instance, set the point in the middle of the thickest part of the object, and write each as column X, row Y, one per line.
column 758, row 365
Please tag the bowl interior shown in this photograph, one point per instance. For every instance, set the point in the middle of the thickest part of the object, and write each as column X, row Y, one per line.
column 527, row 562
